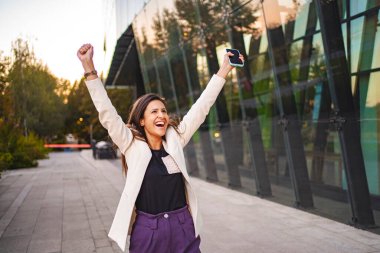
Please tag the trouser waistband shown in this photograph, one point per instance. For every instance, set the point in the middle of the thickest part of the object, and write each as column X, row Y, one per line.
column 151, row 220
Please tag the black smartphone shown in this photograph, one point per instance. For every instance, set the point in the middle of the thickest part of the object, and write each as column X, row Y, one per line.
column 235, row 60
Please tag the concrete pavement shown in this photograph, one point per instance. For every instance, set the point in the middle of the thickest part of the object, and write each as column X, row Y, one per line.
column 67, row 205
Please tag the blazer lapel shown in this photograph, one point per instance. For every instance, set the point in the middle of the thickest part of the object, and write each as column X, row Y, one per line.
column 173, row 150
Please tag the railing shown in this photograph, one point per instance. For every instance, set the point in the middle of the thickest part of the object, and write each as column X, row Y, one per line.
column 67, row 146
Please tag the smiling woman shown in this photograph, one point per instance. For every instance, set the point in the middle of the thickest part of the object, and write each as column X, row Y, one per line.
column 158, row 205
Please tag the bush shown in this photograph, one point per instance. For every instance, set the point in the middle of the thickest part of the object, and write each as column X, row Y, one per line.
column 18, row 151
column 6, row 160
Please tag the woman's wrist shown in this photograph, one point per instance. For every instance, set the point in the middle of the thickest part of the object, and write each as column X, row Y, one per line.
column 223, row 71
column 89, row 70
column 88, row 65
column 90, row 73
column 91, row 77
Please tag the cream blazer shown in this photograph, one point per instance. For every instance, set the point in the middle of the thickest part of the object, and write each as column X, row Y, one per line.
column 138, row 154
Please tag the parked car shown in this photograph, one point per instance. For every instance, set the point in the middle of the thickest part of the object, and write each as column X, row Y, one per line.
column 104, row 150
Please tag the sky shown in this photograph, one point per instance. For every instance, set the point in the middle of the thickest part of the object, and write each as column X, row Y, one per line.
column 55, row 29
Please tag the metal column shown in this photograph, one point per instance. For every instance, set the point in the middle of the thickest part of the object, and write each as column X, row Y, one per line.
column 287, row 107
column 345, row 118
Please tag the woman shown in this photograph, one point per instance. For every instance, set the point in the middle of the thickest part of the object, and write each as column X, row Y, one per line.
column 158, row 206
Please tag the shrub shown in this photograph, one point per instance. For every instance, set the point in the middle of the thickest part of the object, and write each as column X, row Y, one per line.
column 6, row 160
column 17, row 150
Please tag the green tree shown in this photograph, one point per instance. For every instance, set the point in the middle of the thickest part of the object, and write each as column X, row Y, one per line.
column 36, row 106
column 82, row 113
column 32, row 108
column 4, row 100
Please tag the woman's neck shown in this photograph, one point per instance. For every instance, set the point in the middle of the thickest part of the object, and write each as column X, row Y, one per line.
column 155, row 143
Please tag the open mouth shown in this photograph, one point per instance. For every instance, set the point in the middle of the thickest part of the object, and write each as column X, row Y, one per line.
column 160, row 124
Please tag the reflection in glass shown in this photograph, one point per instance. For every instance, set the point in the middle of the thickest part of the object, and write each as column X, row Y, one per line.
column 301, row 21
column 376, row 52
column 356, row 40
column 370, row 130
column 357, row 6
column 174, row 32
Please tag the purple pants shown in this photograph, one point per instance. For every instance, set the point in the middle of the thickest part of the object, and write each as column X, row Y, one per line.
column 170, row 232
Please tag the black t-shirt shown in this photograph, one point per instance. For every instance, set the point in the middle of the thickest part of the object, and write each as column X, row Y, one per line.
column 161, row 191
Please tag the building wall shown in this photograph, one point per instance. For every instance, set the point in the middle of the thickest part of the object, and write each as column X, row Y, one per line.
column 118, row 15
column 276, row 129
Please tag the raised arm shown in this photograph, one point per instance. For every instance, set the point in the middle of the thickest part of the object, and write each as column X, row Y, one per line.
column 200, row 109
column 108, row 116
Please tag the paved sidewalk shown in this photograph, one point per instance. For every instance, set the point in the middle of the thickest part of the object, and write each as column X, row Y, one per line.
column 67, row 205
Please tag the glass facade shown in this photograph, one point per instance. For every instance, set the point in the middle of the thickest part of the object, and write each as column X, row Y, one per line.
column 300, row 123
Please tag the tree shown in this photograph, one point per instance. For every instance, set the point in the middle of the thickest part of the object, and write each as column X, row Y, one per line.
column 35, row 104
column 82, row 112
column 4, row 100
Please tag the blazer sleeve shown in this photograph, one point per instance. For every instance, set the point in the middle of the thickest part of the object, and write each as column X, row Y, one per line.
column 120, row 134
column 200, row 109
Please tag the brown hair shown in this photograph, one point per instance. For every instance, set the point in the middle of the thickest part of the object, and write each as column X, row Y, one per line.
column 136, row 114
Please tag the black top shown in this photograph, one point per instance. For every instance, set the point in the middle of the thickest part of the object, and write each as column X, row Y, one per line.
column 160, row 191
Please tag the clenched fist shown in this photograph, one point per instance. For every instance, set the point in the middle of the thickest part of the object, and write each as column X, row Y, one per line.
column 85, row 54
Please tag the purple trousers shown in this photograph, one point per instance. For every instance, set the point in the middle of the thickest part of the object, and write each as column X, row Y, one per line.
column 170, row 232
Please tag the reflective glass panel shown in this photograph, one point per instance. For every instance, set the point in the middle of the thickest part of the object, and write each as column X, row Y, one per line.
column 181, row 45
column 376, row 48
column 357, row 6
column 301, row 20
column 370, row 130
column 356, row 40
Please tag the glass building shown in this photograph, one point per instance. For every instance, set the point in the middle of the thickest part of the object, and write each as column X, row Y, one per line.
column 299, row 124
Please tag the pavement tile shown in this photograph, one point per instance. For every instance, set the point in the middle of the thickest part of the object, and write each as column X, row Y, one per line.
column 107, row 219
column 102, row 243
column 77, row 234
column 11, row 193
column 78, row 246
column 47, row 213
column 332, row 242
column 14, row 244
column 36, row 193
column 92, row 214
column 44, row 245
column 294, row 246
column 96, row 224
column 334, row 226
column 105, row 250
column 47, row 233
column 212, row 247
column 71, row 208
column 116, row 248
column 52, row 203
column 362, row 236
column 30, row 205
column 4, row 205
column 75, row 225
column 19, row 228
column 99, row 234
column 74, row 217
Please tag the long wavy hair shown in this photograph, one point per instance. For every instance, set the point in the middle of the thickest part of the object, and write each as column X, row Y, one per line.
column 136, row 114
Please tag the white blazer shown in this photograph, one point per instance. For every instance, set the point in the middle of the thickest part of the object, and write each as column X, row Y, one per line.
column 138, row 154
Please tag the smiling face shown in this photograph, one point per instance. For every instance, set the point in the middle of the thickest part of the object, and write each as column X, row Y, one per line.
column 155, row 121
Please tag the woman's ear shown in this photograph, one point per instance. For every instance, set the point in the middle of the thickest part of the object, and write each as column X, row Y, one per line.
column 142, row 122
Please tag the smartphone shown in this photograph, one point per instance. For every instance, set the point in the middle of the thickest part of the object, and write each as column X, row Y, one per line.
column 235, row 60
